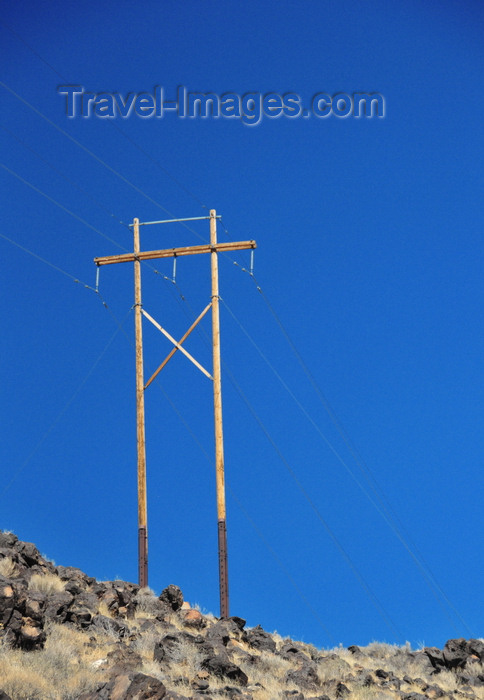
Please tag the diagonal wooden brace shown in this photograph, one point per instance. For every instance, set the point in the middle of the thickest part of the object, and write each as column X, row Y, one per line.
column 176, row 344
column 182, row 340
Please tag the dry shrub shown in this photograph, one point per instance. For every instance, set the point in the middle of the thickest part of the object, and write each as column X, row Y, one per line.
column 61, row 671
column 46, row 583
column 333, row 668
column 8, row 567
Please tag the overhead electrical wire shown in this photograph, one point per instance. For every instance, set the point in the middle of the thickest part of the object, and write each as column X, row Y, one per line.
column 63, row 410
column 97, row 158
column 346, row 556
column 128, row 138
column 384, row 509
column 69, row 180
column 365, row 470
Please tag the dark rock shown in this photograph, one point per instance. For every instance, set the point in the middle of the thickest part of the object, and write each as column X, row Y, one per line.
column 380, row 673
column 354, row 649
column 7, row 601
column 341, row 690
column 4, row 696
column 222, row 667
column 103, row 624
column 435, row 656
column 79, row 615
column 166, row 650
column 172, row 596
column 258, row 639
column 476, row 647
column 57, row 606
column 87, row 600
column 31, row 635
column 455, row 653
column 433, row 692
column 289, row 650
column 29, row 553
column 200, row 685
column 8, row 540
column 292, row 695
column 34, row 605
column 304, row 677
column 222, row 631
column 71, row 573
column 124, row 660
column 239, row 621
column 145, row 688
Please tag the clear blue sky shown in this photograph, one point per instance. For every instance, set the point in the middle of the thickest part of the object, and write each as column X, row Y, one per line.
column 369, row 258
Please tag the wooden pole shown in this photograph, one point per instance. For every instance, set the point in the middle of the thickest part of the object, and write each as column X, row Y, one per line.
column 219, row 448
column 140, row 419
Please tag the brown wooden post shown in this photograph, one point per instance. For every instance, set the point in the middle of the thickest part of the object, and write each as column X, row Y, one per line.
column 140, row 419
column 219, row 447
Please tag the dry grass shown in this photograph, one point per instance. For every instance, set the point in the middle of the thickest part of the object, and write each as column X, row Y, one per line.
column 61, row 671
column 46, row 583
column 8, row 567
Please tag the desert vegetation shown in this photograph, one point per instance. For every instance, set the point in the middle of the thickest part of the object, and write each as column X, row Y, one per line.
column 66, row 636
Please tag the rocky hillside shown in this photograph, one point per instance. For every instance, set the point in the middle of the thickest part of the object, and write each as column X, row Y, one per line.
column 64, row 635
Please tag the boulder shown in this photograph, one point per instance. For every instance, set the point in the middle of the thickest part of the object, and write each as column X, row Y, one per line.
column 476, row 648
column 455, row 653
column 435, row 657
column 194, row 618
column 106, row 625
column 258, row 639
column 305, row 676
column 7, row 601
column 31, row 635
column 222, row 631
column 222, row 667
column 172, row 596
column 57, row 606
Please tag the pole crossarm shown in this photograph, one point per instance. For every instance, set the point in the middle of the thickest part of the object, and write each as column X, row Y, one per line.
column 182, row 340
column 176, row 344
column 175, row 252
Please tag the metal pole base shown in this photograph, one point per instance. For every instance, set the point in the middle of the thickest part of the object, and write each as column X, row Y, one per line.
column 142, row 557
column 222, row 567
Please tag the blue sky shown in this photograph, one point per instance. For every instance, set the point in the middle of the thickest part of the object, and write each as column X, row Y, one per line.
column 347, row 525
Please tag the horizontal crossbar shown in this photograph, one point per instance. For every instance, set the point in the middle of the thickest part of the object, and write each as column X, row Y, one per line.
column 175, row 252
column 175, row 221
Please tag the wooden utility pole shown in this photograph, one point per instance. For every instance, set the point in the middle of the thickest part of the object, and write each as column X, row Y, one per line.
column 140, row 418
column 137, row 256
column 219, row 443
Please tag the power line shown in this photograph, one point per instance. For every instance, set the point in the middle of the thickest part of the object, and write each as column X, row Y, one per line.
column 385, row 511
column 388, row 621
column 271, row 440
column 61, row 206
column 132, row 141
column 64, row 409
column 67, row 179
column 98, row 159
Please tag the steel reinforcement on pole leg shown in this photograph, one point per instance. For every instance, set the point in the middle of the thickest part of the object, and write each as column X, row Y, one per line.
column 223, row 573
column 142, row 557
